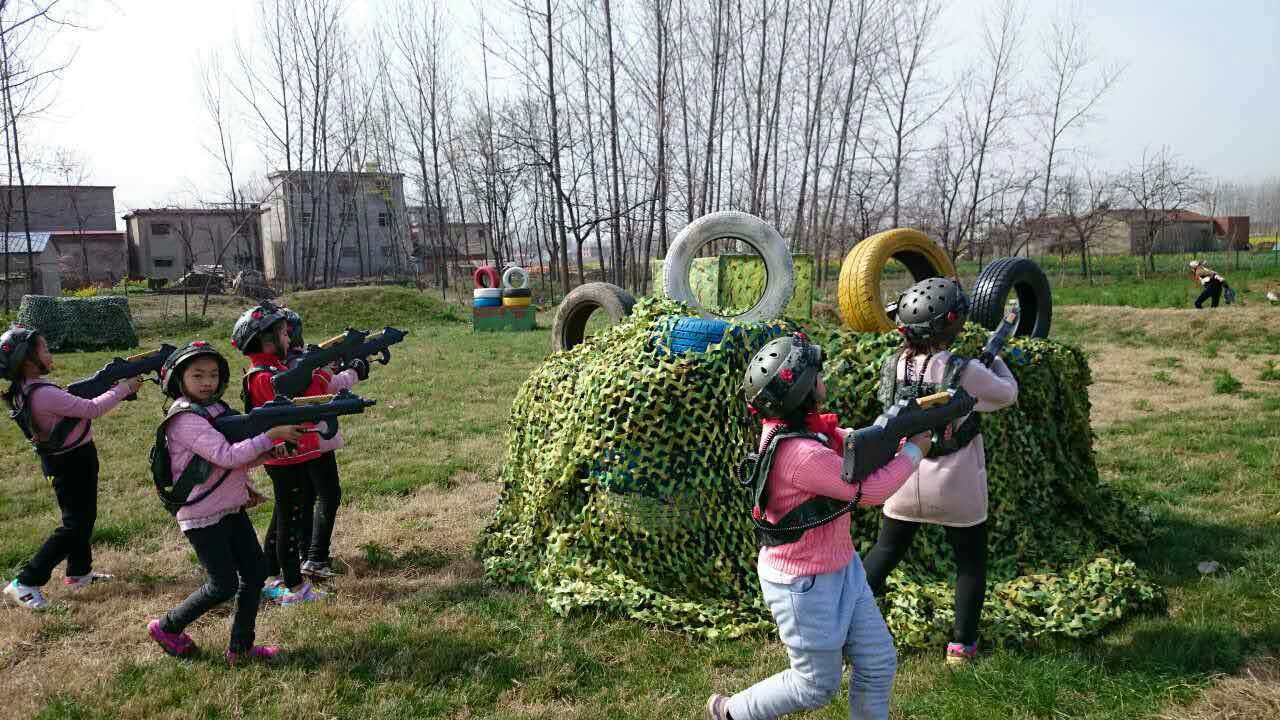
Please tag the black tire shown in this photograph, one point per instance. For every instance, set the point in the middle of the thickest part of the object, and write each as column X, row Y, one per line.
column 517, row 292
column 1023, row 277
column 570, row 325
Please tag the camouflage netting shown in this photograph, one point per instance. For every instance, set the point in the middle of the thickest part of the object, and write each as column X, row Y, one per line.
column 94, row 323
column 619, row 491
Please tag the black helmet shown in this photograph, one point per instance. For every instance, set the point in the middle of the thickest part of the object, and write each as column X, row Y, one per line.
column 252, row 322
column 781, row 376
column 932, row 312
column 171, row 371
column 294, row 320
column 15, row 345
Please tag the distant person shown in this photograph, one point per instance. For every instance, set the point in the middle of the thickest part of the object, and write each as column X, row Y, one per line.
column 1213, row 284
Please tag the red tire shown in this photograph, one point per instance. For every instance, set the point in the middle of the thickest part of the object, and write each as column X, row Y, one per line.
column 487, row 273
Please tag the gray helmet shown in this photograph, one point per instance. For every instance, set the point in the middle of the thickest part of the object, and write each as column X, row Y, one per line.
column 16, row 344
column 171, row 371
column 252, row 322
column 781, row 376
column 932, row 312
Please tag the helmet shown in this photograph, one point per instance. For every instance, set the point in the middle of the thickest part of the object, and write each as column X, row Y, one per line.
column 171, row 371
column 252, row 322
column 781, row 376
column 15, row 345
column 294, row 321
column 932, row 312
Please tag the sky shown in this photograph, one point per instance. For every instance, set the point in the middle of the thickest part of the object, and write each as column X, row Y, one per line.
column 1200, row 77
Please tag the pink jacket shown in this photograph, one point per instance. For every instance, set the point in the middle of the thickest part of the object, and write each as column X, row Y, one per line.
column 50, row 404
column 189, row 435
column 344, row 380
column 804, row 469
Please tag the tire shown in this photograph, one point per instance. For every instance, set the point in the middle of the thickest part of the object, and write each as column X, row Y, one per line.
column 486, row 277
column 1023, row 277
column 696, row 334
column 492, row 293
column 749, row 229
column 858, row 292
column 519, row 272
column 516, row 301
column 517, row 293
column 570, row 325
column 486, row 302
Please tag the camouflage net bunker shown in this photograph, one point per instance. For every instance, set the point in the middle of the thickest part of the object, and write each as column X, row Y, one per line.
column 94, row 323
column 620, row 490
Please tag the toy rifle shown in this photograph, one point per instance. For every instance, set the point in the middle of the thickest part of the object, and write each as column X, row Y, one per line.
column 122, row 369
column 1000, row 336
column 283, row 411
column 870, row 448
column 378, row 343
column 297, row 379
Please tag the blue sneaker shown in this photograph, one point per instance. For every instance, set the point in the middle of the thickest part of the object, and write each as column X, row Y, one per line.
column 274, row 590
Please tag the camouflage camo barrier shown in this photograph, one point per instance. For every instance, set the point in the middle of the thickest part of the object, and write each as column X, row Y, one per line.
column 94, row 323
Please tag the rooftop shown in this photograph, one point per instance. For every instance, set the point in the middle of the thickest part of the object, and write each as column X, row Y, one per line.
column 187, row 211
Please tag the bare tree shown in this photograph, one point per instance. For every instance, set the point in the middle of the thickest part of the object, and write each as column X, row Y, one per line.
column 1084, row 200
column 1160, row 186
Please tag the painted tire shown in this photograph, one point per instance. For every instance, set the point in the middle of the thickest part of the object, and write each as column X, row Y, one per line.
column 570, row 325
column 486, row 277
column 492, row 293
column 1024, row 278
column 518, row 273
column 861, row 306
column 696, row 334
column 751, row 230
column 516, row 301
column 517, row 293
column 486, row 302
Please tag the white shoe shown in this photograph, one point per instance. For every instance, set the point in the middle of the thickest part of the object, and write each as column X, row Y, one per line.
column 28, row 597
column 76, row 582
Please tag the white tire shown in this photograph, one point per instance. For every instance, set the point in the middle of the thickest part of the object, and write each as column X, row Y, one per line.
column 488, row 293
column 755, row 233
column 519, row 273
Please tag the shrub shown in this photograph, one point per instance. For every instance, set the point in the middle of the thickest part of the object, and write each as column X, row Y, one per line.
column 1224, row 383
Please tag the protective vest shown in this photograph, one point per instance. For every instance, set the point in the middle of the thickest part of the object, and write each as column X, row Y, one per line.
column 175, row 495
column 57, row 441
column 949, row 439
column 809, row 514
column 244, row 383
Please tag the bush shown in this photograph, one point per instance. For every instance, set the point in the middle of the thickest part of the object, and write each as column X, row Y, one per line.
column 1224, row 383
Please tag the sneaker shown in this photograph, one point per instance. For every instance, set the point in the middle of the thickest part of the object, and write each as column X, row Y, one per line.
column 77, row 582
column 305, row 594
column 717, row 708
column 960, row 655
column 265, row 653
column 175, row 644
column 274, row 589
column 317, row 569
column 25, row 596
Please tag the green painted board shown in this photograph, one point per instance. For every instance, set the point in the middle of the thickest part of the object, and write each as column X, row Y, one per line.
column 499, row 319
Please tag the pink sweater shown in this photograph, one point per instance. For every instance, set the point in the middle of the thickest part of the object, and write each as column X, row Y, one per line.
column 804, row 469
column 189, row 435
column 49, row 404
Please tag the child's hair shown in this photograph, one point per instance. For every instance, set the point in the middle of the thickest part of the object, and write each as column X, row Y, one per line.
column 796, row 420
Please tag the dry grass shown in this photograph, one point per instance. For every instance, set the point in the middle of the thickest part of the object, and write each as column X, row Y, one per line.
column 1252, row 694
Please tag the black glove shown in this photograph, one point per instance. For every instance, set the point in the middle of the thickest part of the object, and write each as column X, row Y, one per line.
column 361, row 367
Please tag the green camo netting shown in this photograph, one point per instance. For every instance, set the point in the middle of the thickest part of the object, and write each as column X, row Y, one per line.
column 94, row 323
column 619, row 491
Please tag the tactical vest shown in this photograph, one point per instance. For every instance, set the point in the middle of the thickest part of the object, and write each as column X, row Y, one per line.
column 175, row 495
column 57, row 441
column 818, row 511
column 950, row 438
column 244, row 383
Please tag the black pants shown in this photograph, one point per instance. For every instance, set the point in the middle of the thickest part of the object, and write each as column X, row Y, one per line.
column 285, row 535
column 230, row 554
column 75, row 485
column 1212, row 291
column 970, row 547
column 328, row 496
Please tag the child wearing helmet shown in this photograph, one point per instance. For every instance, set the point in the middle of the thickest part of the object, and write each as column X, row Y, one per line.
column 58, row 424
column 204, row 480
column 950, row 486
column 811, row 578
column 262, row 333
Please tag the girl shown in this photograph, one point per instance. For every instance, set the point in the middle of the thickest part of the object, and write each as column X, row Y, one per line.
column 812, row 579
column 1213, row 284
column 950, row 487
column 212, row 512
column 58, row 425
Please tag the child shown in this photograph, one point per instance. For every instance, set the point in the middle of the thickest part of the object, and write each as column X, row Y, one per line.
column 58, row 425
column 262, row 333
column 950, row 488
column 1213, row 284
column 211, row 513
column 812, row 579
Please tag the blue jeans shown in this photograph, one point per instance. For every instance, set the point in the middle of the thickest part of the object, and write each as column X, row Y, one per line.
column 823, row 619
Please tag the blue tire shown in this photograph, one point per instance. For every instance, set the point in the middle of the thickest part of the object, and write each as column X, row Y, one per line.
column 486, row 302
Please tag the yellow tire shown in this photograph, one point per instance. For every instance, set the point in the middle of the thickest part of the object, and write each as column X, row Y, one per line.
column 515, row 301
column 858, row 292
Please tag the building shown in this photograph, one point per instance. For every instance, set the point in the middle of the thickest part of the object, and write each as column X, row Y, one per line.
column 44, row 256
column 92, row 256
column 1123, row 232
column 343, row 224
column 167, row 242
column 60, row 207
column 466, row 244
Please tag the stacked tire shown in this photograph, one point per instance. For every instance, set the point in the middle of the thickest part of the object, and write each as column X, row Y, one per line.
column 488, row 292
column 515, row 288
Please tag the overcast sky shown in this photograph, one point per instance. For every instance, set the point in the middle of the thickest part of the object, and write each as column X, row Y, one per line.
column 1201, row 77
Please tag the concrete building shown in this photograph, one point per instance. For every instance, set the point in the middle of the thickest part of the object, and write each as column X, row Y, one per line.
column 346, row 224
column 466, row 244
column 60, row 207
column 1123, row 232
column 44, row 256
column 165, row 242
column 94, row 256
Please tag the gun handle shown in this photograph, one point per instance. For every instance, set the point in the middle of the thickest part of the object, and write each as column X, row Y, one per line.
column 331, row 426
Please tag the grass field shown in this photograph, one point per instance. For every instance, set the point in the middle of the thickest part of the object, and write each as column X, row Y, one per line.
column 413, row 630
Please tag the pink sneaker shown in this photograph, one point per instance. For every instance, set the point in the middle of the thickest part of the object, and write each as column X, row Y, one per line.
column 265, row 653
column 175, row 644
column 959, row 655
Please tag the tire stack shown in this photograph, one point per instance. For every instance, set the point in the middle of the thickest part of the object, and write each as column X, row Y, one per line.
column 502, row 302
column 515, row 288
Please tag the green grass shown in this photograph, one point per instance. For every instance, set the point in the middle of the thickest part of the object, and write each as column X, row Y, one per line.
column 414, row 639
column 1224, row 383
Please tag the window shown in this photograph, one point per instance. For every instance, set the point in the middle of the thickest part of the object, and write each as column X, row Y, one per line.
column 344, row 186
column 162, row 262
column 387, row 251
column 159, row 228
column 383, row 219
column 350, row 252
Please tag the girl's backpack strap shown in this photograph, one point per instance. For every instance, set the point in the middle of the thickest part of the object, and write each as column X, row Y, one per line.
column 23, row 415
column 889, row 380
column 176, row 494
column 244, row 383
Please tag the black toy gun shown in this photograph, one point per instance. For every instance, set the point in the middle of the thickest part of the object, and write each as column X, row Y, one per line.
column 283, row 411
column 297, row 378
column 870, row 448
column 378, row 343
column 122, row 369
column 1000, row 336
